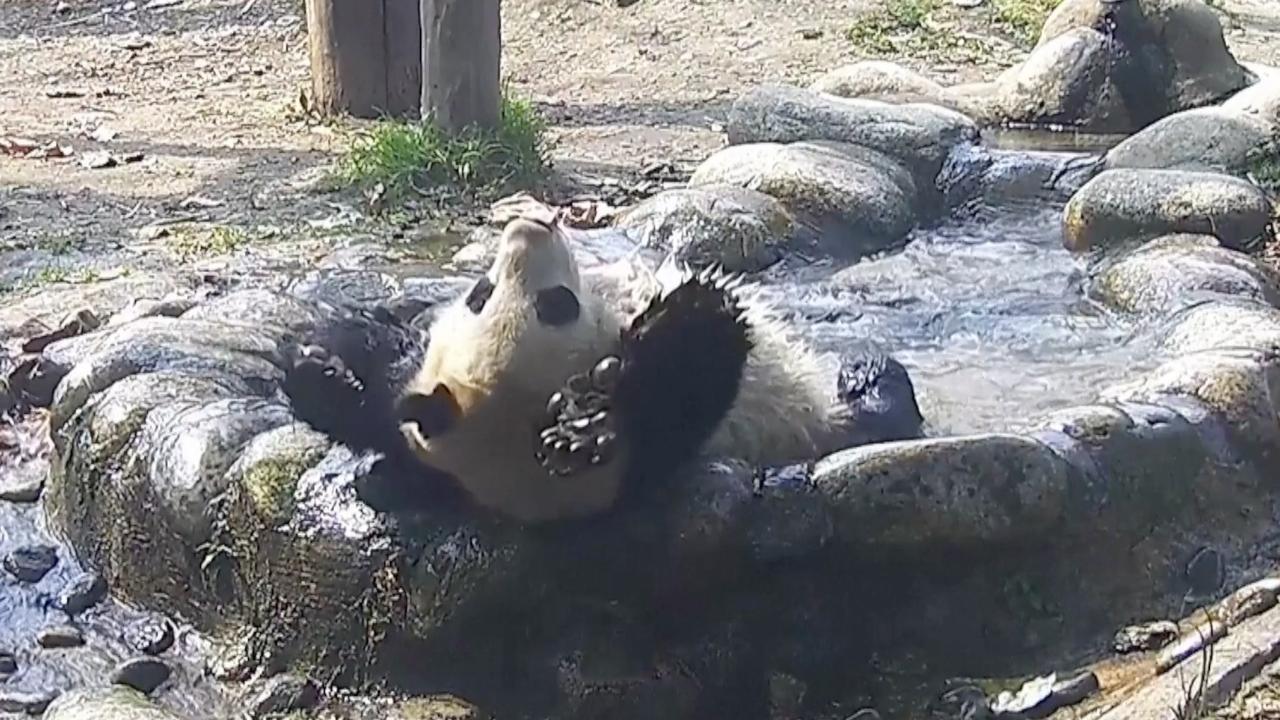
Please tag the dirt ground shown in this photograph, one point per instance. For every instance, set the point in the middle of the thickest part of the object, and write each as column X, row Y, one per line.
column 197, row 103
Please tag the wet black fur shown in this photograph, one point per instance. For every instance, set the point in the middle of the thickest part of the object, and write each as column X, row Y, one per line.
column 683, row 360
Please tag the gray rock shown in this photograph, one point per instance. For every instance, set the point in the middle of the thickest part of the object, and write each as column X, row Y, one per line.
column 30, row 564
column 743, row 229
column 60, row 636
column 955, row 491
column 1065, row 81
column 1128, row 206
column 83, row 593
column 1247, row 602
column 919, row 136
column 8, row 664
column 152, row 635
column 1201, row 139
column 144, row 674
column 878, row 80
column 1168, row 55
column 103, row 703
column 1171, row 271
column 21, row 487
column 283, row 693
column 1261, row 100
column 865, row 714
column 28, row 702
column 857, row 201
column 1224, row 325
column 1144, row 636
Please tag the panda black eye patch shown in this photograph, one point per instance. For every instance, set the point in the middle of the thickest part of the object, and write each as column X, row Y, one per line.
column 479, row 294
column 556, row 306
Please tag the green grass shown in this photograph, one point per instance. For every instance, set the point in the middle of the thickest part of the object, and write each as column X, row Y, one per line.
column 1024, row 18
column 1264, row 167
column 408, row 157
column 904, row 27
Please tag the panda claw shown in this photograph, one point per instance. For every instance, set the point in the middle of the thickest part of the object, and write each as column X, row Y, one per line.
column 577, row 431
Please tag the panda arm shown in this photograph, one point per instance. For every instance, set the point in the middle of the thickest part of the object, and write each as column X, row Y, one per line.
column 676, row 376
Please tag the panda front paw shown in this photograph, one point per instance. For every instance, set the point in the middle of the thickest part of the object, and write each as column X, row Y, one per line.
column 322, row 389
column 578, row 430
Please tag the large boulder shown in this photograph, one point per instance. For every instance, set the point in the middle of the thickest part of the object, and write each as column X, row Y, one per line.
column 1261, row 100
column 1211, row 139
column 919, row 136
column 855, row 201
column 1166, row 55
column 1065, row 81
column 1122, row 207
column 1175, row 270
column 879, row 80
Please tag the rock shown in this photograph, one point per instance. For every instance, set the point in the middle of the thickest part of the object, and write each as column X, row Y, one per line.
column 21, row 487
column 1236, row 383
column 1064, row 81
column 1174, row 270
column 1261, row 100
column 1127, row 206
column 144, row 674
column 153, row 635
column 83, row 593
column 1190, row 643
column 1166, row 55
column 1225, row 324
column 30, row 564
column 60, row 636
column 1247, row 602
column 865, row 714
column 436, row 707
column 1206, row 572
column 857, row 200
column 284, row 693
column 1210, row 139
column 919, row 136
column 8, row 664
column 954, row 491
column 743, row 229
column 28, row 702
column 1145, row 636
column 106, row 703
column 878, row 80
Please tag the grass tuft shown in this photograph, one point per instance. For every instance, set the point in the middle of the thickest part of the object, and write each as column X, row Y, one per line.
column 417, row 156
column 1024, row 18
column 906, row 27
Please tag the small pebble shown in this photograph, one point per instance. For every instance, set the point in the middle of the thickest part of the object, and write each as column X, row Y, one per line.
column 83, row 593
column 1145, row 636
column 8, row 664
column 143, row 674
column 152, row 636
column 31, row 703
column 30, row 564
column 60, row 636
column 284, row 693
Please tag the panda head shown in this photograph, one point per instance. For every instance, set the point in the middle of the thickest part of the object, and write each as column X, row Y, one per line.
column 534, row 268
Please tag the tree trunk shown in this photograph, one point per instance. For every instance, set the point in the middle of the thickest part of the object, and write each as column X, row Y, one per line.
column 365, row 57
column 461, row 63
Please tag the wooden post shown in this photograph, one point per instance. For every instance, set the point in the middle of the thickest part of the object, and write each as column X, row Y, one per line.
column 365, row 57
column 461, row 63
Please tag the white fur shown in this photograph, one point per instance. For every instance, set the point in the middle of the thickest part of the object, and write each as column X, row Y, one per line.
column 503, row 365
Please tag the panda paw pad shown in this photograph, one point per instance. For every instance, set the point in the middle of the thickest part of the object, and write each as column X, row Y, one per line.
column 315, row 365
column 578, row 430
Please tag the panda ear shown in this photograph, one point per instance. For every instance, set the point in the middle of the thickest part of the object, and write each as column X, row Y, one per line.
column 479, row 295
column 557, row 306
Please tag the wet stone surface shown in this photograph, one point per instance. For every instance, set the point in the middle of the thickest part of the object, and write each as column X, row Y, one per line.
column 144, row 674
column 26, row 702
column 153, row 635
column 60, row 636
column 31, row 564
column 284, row 693
column 83, row 593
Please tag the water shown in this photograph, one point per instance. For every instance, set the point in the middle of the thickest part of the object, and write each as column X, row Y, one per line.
column 988, row 313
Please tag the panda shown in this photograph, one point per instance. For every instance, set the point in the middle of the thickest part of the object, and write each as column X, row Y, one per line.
column 545, row 393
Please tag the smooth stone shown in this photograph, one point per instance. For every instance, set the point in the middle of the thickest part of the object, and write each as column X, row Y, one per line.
column 1204, row 139
column 1261, row 100
column 1190, row 643
column 152, row 636
column 865, row 714
column 1064, row 81
column 283, row 693
column 143, row 674
column 8, row 664
column 83, row 593
column 27, row 702
column 1144, row 636
column 1174, row 270
column 1128, row 206
column 60, row 636
column 1247, row 602
column 30, row 564
column 1224, row 324
column 878, row 80
column 108, row 702
column 21, row 489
